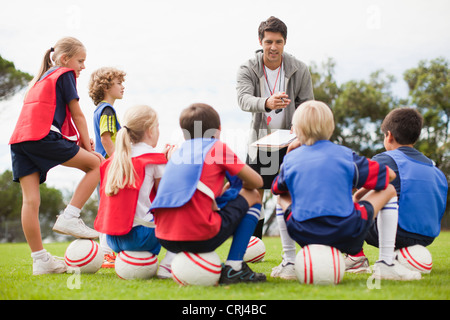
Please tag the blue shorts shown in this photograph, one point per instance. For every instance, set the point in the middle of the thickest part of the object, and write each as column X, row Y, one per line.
column 344, row 233
column 231, row 214
column 40, row 156
column 139, row 238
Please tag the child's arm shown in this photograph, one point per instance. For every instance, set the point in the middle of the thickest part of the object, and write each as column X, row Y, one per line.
column 107, row 143
column 250, row 178
column 360, row 193
column 80, row 122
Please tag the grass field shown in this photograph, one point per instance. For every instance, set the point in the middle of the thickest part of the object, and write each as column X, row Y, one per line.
column 18, row 283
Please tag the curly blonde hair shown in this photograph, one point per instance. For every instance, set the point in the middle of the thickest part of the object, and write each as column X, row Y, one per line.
column 101, row 80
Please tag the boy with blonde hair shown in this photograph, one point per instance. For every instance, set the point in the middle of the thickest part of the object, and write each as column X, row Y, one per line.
column 315, row 191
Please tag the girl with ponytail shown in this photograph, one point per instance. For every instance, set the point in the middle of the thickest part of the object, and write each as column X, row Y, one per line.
column 128, row 183
column 52, row 130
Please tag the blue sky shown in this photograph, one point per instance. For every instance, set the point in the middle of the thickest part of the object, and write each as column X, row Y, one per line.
column 179, row 52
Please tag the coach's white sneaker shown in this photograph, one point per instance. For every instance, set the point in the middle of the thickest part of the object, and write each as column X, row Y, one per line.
column 74, row 227
column 48, row 264
column 285, row 270
column 394, row 271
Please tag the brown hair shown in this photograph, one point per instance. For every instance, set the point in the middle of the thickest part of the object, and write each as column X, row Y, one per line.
column 272, row 25
column 405, row 124
column 101, row 80
column 199, row 120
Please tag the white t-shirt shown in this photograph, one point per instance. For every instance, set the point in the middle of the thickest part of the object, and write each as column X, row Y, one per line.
column 152, row 172
column 274, row 120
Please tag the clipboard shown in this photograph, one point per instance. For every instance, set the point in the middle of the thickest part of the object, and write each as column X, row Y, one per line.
column 276, row 140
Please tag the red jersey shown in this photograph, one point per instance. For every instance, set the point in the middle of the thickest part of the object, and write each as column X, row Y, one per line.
column 196, row 221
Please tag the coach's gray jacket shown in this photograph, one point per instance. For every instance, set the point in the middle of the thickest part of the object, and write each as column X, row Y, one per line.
column 250, row 84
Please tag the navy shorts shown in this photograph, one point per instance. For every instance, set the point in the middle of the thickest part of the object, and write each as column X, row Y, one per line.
column 267, row 164
column 344, row 233
column 231, row 214
column 139, row 238
column 40, row 156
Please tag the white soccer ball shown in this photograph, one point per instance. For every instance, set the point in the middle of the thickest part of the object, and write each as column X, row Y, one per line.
column 319, row 264
column 84, row 254
column 416, row 258
column 256, row 250
column 199, row 269
column 136, row 265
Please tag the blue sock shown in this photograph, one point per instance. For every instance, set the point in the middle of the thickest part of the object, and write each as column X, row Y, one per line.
column 243, row 233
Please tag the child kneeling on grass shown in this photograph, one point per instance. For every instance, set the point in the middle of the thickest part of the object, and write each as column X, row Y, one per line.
column 129, row 179
column 186, row 214
column 315, row 187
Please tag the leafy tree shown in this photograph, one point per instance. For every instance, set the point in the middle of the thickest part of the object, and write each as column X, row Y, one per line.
column 11, row 79
column 429, row 89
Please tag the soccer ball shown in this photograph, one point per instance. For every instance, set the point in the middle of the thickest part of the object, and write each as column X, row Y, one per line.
column 199, row 269
column 416, row 258
column 256, row 250
column 84, row 254
column 136, row 265
column 319, row 264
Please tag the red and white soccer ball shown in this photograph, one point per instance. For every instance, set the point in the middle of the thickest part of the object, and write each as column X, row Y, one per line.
column 199, row 269
column 319, row 264
column 256, row 250
column 136, row 265
column 84, row 254
column 416, row 258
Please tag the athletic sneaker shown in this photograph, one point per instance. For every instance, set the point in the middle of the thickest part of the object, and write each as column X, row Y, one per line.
column 48, row 265
column 285, row 270
column 109, row 260
column 164, row 271
column 230, row 276
column 74, row 227
column 394, row 271
column 356, row 264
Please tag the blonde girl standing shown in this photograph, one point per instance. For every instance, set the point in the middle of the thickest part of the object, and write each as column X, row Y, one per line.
column 52, row 130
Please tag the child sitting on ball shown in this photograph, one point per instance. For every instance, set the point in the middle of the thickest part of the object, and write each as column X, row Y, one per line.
column 315, row 190
column 186, row 215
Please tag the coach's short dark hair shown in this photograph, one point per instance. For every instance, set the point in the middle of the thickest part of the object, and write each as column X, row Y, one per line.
column 199, row 120
column 272, row 25
column 405, row 124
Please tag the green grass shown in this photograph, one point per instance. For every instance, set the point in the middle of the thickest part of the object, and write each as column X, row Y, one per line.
column 18, row 283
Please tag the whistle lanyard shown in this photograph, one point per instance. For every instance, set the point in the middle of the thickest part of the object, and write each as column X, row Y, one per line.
column 276, row 80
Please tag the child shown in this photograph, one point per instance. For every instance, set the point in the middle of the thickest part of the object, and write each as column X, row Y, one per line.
column 105, row 86
column 319, row 176
column 186, row 215
column 421, row 187
column 128, row 182
column 50, row 131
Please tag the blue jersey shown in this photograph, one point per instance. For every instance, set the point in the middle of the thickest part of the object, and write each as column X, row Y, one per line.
column 321, row 177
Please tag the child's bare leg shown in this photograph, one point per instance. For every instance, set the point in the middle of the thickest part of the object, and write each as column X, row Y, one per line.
column 90, row 164
column 30, row 211
column 70, row 222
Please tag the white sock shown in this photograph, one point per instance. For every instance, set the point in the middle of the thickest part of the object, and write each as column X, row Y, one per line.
column 387, row 221
column 287, row 243
column 71, row 212
column 235, row 264
column 168, row 258
column 104, row 244
column 40, row 255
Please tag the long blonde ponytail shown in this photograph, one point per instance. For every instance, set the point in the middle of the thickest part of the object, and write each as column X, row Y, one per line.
column 137, row 120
